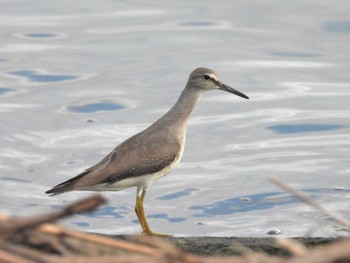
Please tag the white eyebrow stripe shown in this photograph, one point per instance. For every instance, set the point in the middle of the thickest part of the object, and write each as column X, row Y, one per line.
column 212, row 76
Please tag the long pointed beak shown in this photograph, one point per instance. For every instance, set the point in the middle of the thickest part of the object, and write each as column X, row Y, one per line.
column 224, row 87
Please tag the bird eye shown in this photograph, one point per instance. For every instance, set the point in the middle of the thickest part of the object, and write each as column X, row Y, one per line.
column 206, row 77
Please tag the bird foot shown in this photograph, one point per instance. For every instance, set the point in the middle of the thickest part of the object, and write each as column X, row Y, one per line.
column 151, row 233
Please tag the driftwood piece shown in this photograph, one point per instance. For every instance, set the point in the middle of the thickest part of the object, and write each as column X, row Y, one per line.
column 14, row 224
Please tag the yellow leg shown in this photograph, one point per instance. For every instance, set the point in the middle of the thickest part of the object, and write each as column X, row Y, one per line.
column 142, row 217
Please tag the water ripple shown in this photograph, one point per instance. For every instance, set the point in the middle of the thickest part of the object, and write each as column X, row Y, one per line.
column 25, row 47
column 164, row 216
column 108, row 211
column 198, row 25
column 97, row 106
column 40, row 35
column 338, row 26
column 256, row 202
column 4, row 90
column 38, row 76
column 276, row 64
column 293, row 54
column 178, row 194
column 299, row 128
column 12, row 107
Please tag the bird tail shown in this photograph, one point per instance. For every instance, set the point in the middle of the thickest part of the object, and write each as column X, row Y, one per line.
column 60, row 189
column 66, row 186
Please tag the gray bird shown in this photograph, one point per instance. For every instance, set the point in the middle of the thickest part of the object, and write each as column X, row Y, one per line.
column 149, row 155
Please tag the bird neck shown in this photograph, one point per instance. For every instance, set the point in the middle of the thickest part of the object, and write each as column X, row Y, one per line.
column 184, row 106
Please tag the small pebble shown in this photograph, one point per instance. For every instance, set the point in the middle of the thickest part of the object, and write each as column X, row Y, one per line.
column 275, row 232
column 245, row 199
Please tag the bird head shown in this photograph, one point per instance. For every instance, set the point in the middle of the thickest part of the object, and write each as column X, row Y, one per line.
column 207, row 79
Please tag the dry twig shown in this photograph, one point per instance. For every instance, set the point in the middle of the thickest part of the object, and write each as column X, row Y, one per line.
column 303, row 197
column 293, row 247
column 10, row 227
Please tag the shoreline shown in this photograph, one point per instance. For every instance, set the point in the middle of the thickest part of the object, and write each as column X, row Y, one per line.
column 233, row 246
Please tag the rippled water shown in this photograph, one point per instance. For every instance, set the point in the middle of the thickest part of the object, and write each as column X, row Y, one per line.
column 79, row 78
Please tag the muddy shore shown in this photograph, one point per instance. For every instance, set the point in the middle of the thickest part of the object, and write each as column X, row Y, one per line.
column 233, row 246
